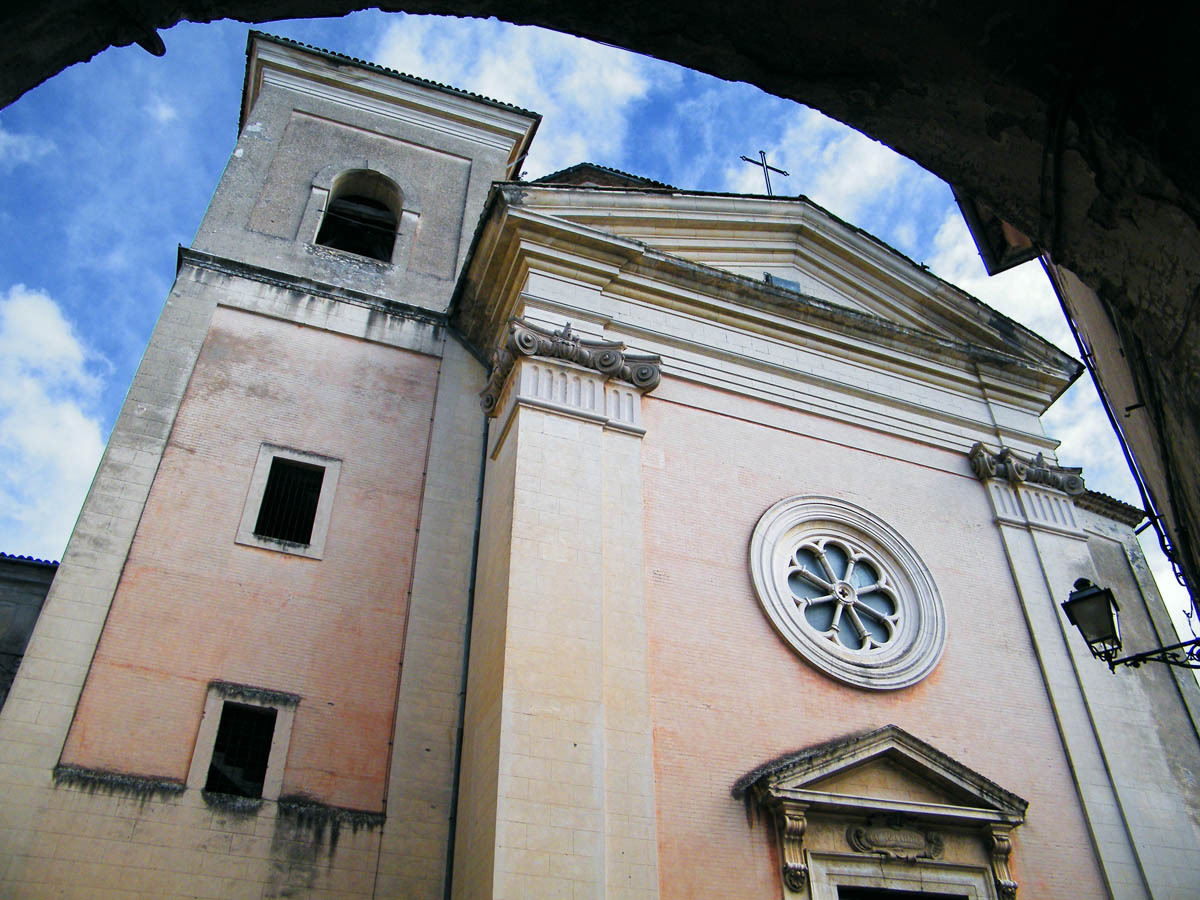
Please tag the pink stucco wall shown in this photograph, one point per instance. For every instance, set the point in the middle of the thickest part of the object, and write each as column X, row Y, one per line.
column 192, row 606
column 730, row 694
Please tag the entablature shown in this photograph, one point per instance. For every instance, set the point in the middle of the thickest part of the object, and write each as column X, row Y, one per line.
column 628, row 268
column 736, row 333
column 315, row 304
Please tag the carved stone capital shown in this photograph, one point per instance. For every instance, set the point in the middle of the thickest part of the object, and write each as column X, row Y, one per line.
column 1017, row 469
column 893, row 838
column 791, row 821
column 608, row 358
column 1000, row 839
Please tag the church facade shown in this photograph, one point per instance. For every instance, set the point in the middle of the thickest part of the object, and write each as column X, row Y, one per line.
column 463, row 536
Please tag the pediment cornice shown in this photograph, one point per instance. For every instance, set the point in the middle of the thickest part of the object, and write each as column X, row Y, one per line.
column 970, row 796
column 898, row 287
column 515, row 239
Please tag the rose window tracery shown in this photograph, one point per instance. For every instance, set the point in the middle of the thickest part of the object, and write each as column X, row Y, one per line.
column 847, row 592
column 844, row 594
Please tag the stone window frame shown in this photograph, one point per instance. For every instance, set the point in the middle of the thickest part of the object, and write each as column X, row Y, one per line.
column 324, row 186
column 921, row 636
column 268, row 453
column 222, row 692
column 829, row 871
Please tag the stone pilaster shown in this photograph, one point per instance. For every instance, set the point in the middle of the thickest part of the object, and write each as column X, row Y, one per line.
column 559, row 686
column 1047, row 550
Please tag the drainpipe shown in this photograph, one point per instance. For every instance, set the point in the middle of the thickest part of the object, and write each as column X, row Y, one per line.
column 462, row 692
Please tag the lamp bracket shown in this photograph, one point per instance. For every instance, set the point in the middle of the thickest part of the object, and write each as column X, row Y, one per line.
column 1184, row 655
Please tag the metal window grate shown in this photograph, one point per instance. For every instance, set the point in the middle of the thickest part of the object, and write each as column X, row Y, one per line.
column 241, row 750
column 289, row 503
column 359, row 225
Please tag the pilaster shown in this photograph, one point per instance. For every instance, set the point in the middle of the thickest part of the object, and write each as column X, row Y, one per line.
column 1047, row 550
column 566, row 632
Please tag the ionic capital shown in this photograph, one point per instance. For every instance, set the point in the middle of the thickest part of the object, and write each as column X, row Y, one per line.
column 609, row 359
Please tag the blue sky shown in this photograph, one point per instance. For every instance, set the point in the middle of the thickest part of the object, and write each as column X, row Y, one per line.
column 106, row 168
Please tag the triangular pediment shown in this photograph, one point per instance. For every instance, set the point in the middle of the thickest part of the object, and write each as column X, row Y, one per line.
column 885, row 770
column 798, row 252
column 883, row 778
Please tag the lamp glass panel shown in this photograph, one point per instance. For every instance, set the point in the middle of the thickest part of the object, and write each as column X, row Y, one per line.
column 1095, row 618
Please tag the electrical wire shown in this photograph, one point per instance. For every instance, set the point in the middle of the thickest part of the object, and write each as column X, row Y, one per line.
column 1148, row 504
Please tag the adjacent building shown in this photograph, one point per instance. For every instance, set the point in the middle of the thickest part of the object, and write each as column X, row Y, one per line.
column 23, row 585
column 587, row 537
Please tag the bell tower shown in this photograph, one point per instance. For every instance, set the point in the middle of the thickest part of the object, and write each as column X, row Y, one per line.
column 353, row 175
column 258, row 624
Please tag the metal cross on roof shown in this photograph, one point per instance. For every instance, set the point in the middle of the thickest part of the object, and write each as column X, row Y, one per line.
column 767, row 169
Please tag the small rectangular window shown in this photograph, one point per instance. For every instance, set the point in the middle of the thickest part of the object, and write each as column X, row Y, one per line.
column 289, row 503
column 241, row 750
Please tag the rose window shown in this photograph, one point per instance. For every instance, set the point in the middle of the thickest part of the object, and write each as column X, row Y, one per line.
column 847, row 592
column 843, row 594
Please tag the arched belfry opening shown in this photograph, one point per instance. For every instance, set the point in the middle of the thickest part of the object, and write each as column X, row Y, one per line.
column 361, row 215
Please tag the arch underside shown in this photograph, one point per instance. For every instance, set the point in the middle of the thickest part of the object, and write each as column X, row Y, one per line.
column 1077, row 128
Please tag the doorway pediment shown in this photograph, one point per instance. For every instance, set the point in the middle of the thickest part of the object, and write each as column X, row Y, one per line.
column 889, row 796
column 884, row 769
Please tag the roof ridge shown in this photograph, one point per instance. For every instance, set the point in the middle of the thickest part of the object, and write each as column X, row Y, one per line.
column 646, row 182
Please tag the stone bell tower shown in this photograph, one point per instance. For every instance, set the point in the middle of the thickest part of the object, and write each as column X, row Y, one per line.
column 328, row 149
column 248, row 668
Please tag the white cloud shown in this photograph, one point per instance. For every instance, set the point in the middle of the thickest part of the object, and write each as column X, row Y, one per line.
column 905, row 235
column 161, row 111
column 1175, row 595
column 839, row 168
column 1023, row 294
column 16, row 149
column 50, row 435
column 583, row 90
column 857, row 179
column 855, row 171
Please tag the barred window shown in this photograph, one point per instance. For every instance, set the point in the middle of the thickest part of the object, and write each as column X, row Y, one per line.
column 242, row 743
column 289, row 503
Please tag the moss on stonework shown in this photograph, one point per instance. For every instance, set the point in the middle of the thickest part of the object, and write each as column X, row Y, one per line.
column 143, row 787
column 318, row 818
column 231, row 691
column 231, row 803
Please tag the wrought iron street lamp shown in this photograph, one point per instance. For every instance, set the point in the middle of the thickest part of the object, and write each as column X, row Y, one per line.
column 1094, row 611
